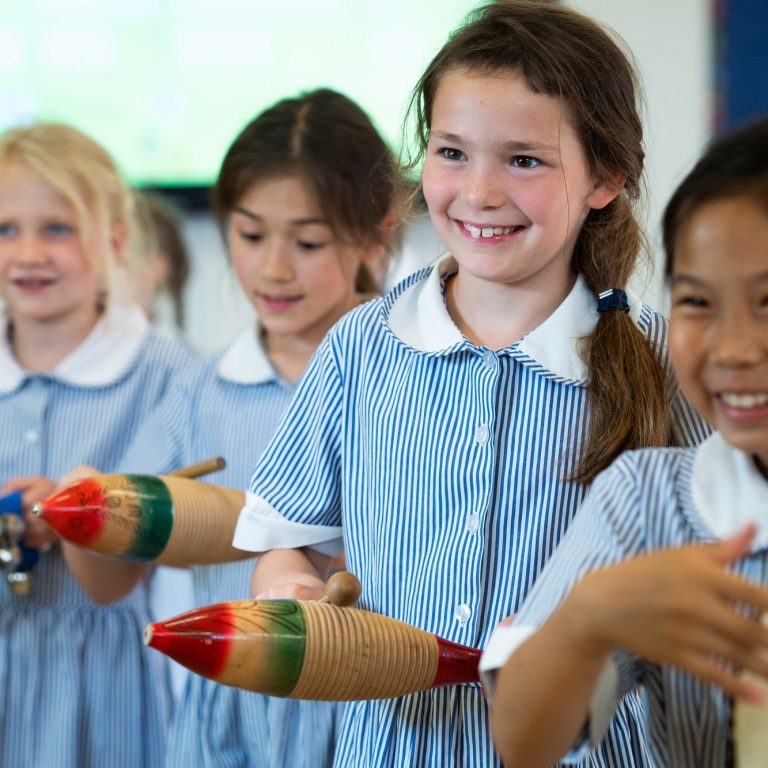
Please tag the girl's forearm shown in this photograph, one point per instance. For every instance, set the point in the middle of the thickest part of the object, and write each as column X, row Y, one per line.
column 542, row 697
column 104, row 580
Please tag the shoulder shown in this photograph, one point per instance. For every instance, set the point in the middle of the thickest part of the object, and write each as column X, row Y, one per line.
column 653, row 325
column 359, row 328
column 161, row 350
column 642, row 488
column 647, row 466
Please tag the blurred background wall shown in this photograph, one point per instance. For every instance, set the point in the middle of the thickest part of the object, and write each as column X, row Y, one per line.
column 166, row 85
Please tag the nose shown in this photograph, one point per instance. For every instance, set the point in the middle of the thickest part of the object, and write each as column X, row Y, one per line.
column 481, row 188
column 738, row 340
column 28, row 250
column 277, row 262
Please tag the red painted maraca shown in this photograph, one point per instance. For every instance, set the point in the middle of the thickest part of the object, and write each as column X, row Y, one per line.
column 312, row 650
column 165, row 519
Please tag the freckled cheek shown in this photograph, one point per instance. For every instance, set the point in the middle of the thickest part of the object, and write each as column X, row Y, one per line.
column 541, row 205
column 437, row 189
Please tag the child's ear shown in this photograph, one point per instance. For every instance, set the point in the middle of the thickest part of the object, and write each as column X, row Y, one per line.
column 119, row 239
column 606, row 191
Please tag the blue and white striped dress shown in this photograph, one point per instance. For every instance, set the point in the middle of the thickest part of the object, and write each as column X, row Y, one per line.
column 646, row 501
column 79, row 689
column 230, row 409
column 443, row 463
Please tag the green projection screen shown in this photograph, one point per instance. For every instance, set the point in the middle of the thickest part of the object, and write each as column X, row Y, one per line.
column 165, row 85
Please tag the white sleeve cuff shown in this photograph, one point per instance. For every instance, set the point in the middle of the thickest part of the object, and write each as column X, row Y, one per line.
column 505, row 640
column 602, row 705
column 261, row 527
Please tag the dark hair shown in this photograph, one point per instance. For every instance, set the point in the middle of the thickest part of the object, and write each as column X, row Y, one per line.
column 561, row 53
column 733, row 165
column 163, row 222
column 331, row 144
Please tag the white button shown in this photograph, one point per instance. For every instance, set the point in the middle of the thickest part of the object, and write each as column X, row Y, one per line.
column 482, row 433
column 473, row 523
column 31, row 436
column 489, row 358
column 463, row 613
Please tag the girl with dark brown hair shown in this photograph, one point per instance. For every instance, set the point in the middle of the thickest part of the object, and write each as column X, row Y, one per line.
column 450, row 430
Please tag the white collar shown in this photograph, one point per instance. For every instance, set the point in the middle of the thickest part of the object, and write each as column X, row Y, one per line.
column 419, row 318
column 245, row 361
column 729, row 491
column 100, row 360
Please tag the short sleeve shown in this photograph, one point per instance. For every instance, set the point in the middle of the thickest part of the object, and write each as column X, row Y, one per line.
column 295, row 491
column 159, row 444
column 606, row 529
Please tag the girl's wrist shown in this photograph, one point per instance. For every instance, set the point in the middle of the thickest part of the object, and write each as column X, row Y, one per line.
column 580, row 620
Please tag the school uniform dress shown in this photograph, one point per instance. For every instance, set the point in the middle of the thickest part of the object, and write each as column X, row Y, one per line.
column 78, row 687
column 648, row 500
column 231, row 409
column 443, row 464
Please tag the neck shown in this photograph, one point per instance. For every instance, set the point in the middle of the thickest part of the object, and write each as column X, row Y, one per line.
column 496, row 315
column 290, row 353
column 40, row 347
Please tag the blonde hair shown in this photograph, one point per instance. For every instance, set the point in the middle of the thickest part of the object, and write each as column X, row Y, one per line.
column 86, row 176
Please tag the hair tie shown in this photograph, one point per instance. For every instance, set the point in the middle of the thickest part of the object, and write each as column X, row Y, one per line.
column 613, row 298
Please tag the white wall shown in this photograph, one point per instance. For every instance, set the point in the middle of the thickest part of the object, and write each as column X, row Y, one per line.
column 671, row 41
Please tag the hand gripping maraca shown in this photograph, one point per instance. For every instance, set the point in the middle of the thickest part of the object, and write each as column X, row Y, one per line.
column 312, row 650
column 166, row 519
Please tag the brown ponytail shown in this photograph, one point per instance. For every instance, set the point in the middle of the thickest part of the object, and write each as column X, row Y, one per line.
column 628, row 386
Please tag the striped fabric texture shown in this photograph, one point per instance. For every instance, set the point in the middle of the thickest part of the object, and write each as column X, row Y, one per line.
column 446, row 470
column 210, row 414
column 78, row 688
column 647, row 501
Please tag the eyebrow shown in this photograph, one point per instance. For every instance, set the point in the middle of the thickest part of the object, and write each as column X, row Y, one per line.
column 695, row 281
column 298, row 222
column 508, row 146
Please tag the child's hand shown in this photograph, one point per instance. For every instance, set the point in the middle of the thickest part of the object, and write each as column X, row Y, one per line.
column 293, row 574
column 80, row 472
column 307, row 589
column 678, row 607
column 34, row 488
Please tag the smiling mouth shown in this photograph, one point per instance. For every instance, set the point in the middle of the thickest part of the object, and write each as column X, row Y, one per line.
column 489, row 232
column 743, row 400
column 33, row 282
column 285, row 301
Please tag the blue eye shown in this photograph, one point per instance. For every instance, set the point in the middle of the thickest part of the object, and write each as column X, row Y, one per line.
column 57, row 229
column 452, row 154
column 8, row 230
column 524, row 161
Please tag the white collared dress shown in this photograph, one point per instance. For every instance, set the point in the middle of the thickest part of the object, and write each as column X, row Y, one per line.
column 78, row 688
column 231, row 409
column 443, row 465
column 649, row 500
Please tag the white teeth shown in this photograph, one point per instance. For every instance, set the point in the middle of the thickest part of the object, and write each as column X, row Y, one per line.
column 487, row 231
column 743, row 400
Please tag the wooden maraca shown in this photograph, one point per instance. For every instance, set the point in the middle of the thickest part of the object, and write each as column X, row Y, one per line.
column 165, row 519
column 312, row 649
column 750, row 725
